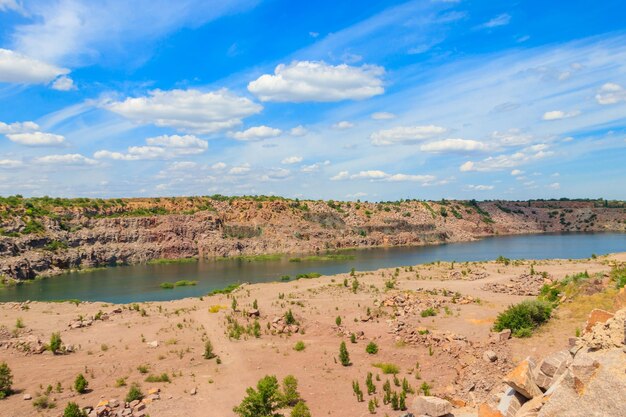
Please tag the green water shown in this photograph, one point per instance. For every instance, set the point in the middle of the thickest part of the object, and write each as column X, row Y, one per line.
column 137, row 283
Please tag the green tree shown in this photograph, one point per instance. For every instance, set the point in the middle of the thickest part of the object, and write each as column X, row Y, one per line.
column 80, row 384
column 55, row 342
column 134, row 393
column 6, row 380
column 73, row 410
column 371, row 348
column 208, row 350
column 290, row 390
column 300, row 410
column 265, row 401
column 344, row 356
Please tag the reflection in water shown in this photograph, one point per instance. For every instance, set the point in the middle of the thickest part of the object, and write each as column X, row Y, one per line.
column 141, row 282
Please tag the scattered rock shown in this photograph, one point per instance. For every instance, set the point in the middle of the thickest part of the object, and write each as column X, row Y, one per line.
column 597, row 316
column 431, row 406
column 153, row 344
column 490, row 356
column 521, row 379
column 27, row 397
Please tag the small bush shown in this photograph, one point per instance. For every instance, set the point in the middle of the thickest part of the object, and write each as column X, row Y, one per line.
column 300, row 410
column 524, row 317
column 344, row 356
column 429, row 312
column 43, row 402
column 6, row 380
column 208, row 350
column 387, row 368
column 371, row 348
column 158, row 378
column 143, row 369
column 264, row 401
column 299, row 346
column 73, row 410
column 55, row 342
column 134, row 393
column 80, row 384
column 291, row 396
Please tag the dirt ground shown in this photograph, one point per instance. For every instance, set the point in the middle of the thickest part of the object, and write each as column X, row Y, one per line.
column 111, row 349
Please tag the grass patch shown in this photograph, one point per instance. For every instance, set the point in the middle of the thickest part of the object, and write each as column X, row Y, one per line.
column 387, row 368
column 524, row 317
column 158, row 378
column 182, row 283
column 299, row 346
column 309, row 275
column 225, row 290
column 168, row 261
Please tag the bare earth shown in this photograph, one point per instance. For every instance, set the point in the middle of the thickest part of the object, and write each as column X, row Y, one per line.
column 449, row 356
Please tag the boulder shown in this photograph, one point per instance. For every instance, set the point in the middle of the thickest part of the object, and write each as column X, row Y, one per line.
column 27, row 397
column 153, row 344
column 431, row 406
column 490, row 356
column 597, row 316
column 510, row 402
column 485, row 410
column 531, row 408
column 521, row 379
column 552, row 367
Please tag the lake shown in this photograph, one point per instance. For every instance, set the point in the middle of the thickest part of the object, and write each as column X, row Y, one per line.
column 136, row 283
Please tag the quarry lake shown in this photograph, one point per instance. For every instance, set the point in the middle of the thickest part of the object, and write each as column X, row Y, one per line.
column 138, row 283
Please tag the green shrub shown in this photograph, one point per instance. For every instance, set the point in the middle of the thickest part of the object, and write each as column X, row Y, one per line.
column 55, row 342
column 73, row 410
column 6, row 380
column 291, row 396
column 80, row 384
column 208, row 350
column 300, row 410
column 619, row 276
column 299, row 346
column 387, row 368
column 429, row 312
column 134, row 393
column 265, row 401
column 371, row 348
column 338, row 321
column 524, row 317
column 158, row 378
column 344, row 356
column 289, row 318
column 143, row 369
column 43, row 402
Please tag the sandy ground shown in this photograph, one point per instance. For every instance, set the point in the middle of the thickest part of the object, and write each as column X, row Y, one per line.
column 113, row 349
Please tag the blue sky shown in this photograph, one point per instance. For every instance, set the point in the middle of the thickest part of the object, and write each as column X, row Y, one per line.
column 373, row 100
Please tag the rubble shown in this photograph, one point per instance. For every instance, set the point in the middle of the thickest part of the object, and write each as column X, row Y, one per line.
column 525, row 284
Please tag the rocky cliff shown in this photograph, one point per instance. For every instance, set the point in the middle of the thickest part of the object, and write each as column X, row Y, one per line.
column 44, row 236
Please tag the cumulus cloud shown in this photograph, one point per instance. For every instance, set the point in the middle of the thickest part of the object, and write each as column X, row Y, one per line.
column 66, row 159
column 342, row 175
column 303, row 81
column 21, row 69
column 160, row 147
column 292, row 160
column 559, row 114
column 454, row 145
column 187, row 110
column 611, row 93
column 516, row 172
column 18, row 127
column 63, row 83
column 343, row 125
column 314, row 167
column 378, row 175
column 554, row 186
column 10, row 163
column 405, row 134
column 256, row 133
column 480, row 187
column 495, row 163
column 298, row 131
column 239, row 170
column 36, row 139
column 382, row 116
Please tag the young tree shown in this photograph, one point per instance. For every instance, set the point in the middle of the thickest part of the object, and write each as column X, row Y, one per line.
column 300, row 410
column 55, row 342
column 262, row 402
column 344, row 356
column 6, row 380
column 80, row 384
column 208, row 350
column 134, row 393
column 73, row 410
column 290, row 390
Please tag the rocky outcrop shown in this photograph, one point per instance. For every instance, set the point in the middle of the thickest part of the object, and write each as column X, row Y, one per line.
column 46, row 237
column 588, row 380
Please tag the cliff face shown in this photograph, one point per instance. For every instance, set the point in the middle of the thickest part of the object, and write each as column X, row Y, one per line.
column 46, row 237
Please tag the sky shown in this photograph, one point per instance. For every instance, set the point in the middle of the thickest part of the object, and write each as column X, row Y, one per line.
column 375, row 100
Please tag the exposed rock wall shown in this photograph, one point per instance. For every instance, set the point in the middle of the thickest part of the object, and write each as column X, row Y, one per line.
column 82, row 237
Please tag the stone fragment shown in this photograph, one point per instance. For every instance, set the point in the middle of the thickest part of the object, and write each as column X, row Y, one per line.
column 485, row 410
column 431, row 406
column 510, row 402
column 521, row 379
column 531, row 408
column 153, row 344
column 27, row 397
column 490, row 356
column 504, row 335
column 597, row 316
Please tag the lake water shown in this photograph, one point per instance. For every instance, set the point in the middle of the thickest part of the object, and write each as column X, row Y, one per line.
column 137, row 283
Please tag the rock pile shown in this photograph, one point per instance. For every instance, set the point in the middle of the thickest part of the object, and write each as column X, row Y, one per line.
column 115, row 408
column 26, row 344
column 279, row 325
column 525, row 284
column 587, row 380
column 414, row 302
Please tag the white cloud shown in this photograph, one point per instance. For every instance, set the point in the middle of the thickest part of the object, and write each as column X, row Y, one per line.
column 405, row 134
column 292, row 160
column 516, row 172
column 36, row 139
column 611, row 93
column 342, row 175
column 10, row 163
column 187, row 110
column 240, row 170
column 10, row 5
column 21, row 69
column 160, row 147
column 382, row 116
column 495, row 163
column 559, row 114
column 66, row 159
column 314, row 167
column 256, row 133
column 373, row 174
column 318, row 81
column 298, row 131
column 480, row 187
column 454, row 145
column 18, row 127
column 343, row 125
column 218, row 166
column 182, row 165
column 554, row 186
column 500, row 20
column 63, row 83
column 512, row 137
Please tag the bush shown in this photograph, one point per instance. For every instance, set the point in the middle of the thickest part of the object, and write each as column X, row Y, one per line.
column 43, row 402
column 262, row 402
column 73, row 410
column 55, row 342
column 387, row 368
column 291, row 396
column 619, row 276
column 338, row 321
column 429, row 312
column 524, row 317
column 289, row 318
column 371, row 348
column 299, row 346
column 344, row 356
column 300, row 410
column 158, row 378
column 80, row 384
column 6, row 380
column 134, row 393
column 208, row 350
